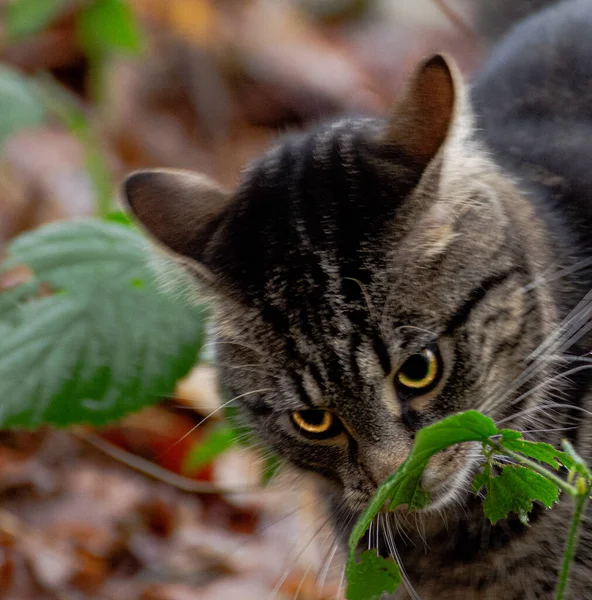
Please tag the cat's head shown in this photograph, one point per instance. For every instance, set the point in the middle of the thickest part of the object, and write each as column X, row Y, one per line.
column 368, row 281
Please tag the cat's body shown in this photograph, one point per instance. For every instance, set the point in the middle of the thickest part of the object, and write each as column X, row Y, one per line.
column 533, row 102
column 350, row 253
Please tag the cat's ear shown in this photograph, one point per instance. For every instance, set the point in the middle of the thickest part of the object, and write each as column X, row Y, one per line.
column 178, row 208
column 423, row 115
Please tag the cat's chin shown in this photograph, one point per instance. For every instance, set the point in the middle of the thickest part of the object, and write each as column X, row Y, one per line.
column 444, row 491
column 451, row 490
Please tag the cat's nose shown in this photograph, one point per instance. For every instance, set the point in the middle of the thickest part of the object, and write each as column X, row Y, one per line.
column 381, row 462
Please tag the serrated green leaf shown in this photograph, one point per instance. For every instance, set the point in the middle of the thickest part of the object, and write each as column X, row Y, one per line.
column 540, row 451
column 19, row 105
column 108, row 25
column 481, row 479
column 220, row 438
column 404, row 487
column 510, row 434
column 514, row 490
column 455, row 429
column 371, row 577
column 109, row 339
column 24, row 17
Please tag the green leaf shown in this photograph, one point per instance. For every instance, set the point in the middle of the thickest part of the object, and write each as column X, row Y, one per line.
column 455, row 429
column 514, row 490
column 118, row 216
column 218, row 439
column 481, row 479
column 371, row 577
column 109, row 338
column 19, row 105
column 403, row 487
column 24, row 17
column 106, row 26
column 510, row 434
column 540, row 451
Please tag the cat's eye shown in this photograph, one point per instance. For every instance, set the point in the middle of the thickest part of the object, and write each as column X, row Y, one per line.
column 316, row 423
column 420, row 372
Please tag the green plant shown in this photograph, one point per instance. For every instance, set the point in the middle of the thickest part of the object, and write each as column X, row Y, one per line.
column 103, row 29
column 19, row 106
column 93, row 332
column 509, row 488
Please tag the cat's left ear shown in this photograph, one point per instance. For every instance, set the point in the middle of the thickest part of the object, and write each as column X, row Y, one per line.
column 177, row 208
column 424, row 114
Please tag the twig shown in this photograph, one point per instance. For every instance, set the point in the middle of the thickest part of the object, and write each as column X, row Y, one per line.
column 455, row 18
column 155, row 471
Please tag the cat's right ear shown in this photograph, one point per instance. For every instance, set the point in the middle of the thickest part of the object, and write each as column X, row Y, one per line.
column 423, row 116
column 177, row 208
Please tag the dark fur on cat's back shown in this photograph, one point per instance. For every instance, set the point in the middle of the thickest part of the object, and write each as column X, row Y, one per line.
column 347, row 249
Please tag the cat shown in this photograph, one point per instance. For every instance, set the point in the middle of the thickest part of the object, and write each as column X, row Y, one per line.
column 371, row 276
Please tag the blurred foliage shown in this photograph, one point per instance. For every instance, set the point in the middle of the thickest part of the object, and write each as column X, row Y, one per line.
column 26, row 17
column 108, row 26
column 91, row 333
column 92, row 308
column 19, row 105
column 217, row 440
column 101, row 324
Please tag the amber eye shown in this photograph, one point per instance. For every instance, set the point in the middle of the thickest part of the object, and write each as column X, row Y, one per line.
column 317, row 424
column 421, row 371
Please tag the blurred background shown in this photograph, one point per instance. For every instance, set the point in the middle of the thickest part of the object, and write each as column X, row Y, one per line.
column 153, row 507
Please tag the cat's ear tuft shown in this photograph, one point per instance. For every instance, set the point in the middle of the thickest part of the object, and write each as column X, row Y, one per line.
column 422, row 117
column 178, row 208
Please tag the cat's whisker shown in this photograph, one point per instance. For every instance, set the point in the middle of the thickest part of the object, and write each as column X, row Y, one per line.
column 420, row 528
column 273, row 524
column 402, row 527
column 249, row 347
column 574, row 326
column 323, row 573
column 302, row 580
column 392, row 546
column 532, row 409
column 553, row 379
column 558, row 274
column 338, row 596
column 577, row 317
column 416, row 328
column 548, row 430
column 322, row 577
column 294, row 560
column 217, row 410
column 251, row 367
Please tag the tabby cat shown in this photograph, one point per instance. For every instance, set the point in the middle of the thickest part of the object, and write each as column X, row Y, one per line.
column 372, row 276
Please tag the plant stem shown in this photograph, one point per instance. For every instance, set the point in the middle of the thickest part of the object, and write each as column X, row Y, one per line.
column 580, row 497
column 570, row 545
column 534, row 466
column 70, row 112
